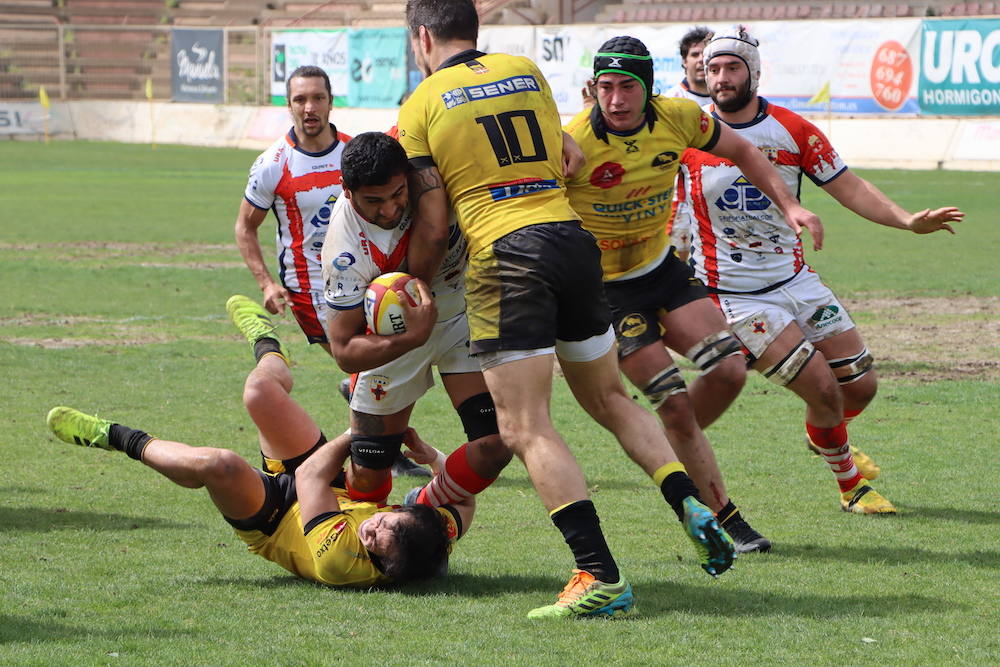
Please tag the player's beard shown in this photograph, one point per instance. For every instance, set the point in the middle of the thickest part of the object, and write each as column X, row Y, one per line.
column 734, row 104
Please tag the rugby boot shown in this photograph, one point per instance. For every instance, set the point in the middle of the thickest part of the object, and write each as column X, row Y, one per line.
column 254, row 322
column 715, row 547
column 77, row 428
column 586, row 596
column 746, row 539
column 863, row 499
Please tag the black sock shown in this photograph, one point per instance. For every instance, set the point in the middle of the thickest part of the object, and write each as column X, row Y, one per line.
column 266, row 346
column 675, row 488
column 728, row 513
column 581, row 529
column 128, row 440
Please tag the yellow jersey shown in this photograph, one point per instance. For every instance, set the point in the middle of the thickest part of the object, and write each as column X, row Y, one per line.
column 624, row 191
column 332, row 552
column 490, row 125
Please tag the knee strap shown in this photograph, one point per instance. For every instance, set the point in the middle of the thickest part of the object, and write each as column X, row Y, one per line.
column 479, row 416
column 377, row 452
column 786, row 370
column 665, row 384
column 712, row 349
column 855, row 367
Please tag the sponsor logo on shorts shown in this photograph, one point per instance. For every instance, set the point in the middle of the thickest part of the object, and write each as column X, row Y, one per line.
column 379, row 386
column 632, row 325
column 342, row 261
column 520, row 188
column 509, row 86
column 664, row 160
column 758, row 327
column 607, row 175
column 826, row 315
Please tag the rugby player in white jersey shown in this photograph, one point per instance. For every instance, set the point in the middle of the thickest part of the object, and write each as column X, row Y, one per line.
column 298, row 177
column 795, row 330
column 368, row 235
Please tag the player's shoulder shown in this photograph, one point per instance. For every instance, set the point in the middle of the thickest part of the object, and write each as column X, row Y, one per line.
column 792, row 121
column 275, row 154
column 667, row 107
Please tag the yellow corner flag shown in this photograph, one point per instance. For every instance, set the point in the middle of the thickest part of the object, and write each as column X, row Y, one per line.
column 43, row 97
column 149, row 88
column 822, row 96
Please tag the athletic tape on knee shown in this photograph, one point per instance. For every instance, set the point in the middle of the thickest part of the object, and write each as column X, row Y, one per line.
column 479, row 416
column 786, row 370
column 712, row 349
column 856, row 367
column 377, row 452
column 665, row 384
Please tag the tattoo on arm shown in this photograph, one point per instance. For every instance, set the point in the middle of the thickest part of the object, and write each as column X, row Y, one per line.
column 425, row 180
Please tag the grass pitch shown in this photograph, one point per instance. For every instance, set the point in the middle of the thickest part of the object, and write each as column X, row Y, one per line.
column 117, row 261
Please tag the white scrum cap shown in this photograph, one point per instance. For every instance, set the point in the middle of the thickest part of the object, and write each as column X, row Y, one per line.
column 736, row 42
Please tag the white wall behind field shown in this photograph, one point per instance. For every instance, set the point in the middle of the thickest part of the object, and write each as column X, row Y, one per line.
column 907, row 143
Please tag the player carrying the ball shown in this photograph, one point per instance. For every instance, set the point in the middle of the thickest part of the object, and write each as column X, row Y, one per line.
column 368, row 236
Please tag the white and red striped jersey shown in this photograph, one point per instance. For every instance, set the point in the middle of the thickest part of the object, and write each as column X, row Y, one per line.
column 742, row 242
column 357, row 251
column 301, row 188
column 683, row 89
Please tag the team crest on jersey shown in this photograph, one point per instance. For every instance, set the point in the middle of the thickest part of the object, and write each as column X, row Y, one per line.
column 632, row 325
column 825, row 316
column 704, row 123
column 663, row 160
column 379, row 386
column 742, row 195
column 607, row 175
column 343, row 261
column 758, row 327
column 770, row 152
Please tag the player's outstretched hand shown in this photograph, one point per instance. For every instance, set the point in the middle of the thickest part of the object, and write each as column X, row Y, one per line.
column 276, row 297
column 418, row 450
column 421, row 318
column 928, row 221
column 800, row 218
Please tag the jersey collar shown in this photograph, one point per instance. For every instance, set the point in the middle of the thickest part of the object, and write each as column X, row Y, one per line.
column 761, row 115
column 687, row 86
column 459, row 58
column 294, row 141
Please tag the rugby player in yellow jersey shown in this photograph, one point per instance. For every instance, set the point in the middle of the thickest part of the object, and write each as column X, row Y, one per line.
column 295, row 512
column 483, row 132
column 633, row 141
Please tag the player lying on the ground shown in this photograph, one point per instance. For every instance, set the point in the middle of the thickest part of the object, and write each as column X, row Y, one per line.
column 797, row 333
column 301, row 518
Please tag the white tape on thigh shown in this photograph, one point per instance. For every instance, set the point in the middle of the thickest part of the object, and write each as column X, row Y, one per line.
column 712, row 349
column 786, row 370
column 665, row 384
column 851, row 369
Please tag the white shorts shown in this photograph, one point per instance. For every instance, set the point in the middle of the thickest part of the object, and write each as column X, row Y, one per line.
column 388, row 389
column 757, row 319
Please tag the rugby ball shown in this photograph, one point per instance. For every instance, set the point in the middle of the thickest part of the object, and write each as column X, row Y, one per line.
column 383, row 310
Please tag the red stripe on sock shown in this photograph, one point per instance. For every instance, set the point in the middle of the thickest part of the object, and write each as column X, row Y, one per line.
column 462, row 474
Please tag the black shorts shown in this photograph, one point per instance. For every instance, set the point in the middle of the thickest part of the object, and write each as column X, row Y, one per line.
column 636, row 303
column 289, row 465
column 534, row 285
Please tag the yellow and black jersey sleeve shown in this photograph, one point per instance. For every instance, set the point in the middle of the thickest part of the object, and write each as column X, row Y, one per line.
column 490, row 126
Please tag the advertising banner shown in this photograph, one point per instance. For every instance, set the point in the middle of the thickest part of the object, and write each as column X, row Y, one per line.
column 324, row 48
column 197, row 61
column 960, row 67
column 33, row 118
column 377, row 67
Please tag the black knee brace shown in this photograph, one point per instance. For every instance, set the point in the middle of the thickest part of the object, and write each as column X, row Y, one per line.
column 479, row 416
column 377, row 452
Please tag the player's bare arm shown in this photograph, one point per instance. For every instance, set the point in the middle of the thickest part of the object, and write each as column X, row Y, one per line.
column 429, row 238
column 759, row 171
column 312, row 478
column 573, row 158
column 862, row 197
column 248, row 221
column 355, row 351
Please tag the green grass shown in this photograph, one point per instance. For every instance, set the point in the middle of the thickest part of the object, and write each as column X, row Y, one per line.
column 117, row 262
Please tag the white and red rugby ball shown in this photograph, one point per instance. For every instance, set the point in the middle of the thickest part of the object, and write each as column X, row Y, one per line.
column 383, row 310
